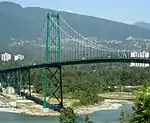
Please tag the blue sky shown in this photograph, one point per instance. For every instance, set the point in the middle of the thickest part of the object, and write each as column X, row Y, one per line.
column 128, row 11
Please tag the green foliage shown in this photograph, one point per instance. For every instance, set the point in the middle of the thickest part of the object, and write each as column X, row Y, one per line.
column 80, row 82
column 88, row 119
column 69, row 116
column 88, row 98
column 123, row 117
column 141, row 106
column 37, row 81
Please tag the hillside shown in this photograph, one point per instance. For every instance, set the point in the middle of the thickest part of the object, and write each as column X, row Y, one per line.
column 25, row 23
column 142, row 25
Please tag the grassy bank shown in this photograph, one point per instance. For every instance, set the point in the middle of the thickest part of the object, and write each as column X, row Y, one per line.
column 118, row 96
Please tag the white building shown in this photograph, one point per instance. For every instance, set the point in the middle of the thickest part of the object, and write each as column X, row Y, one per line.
column 18, row 57
column 129, row 38
column 5, row 57
column 140, row 55
column 10, row 90
column 139, row 65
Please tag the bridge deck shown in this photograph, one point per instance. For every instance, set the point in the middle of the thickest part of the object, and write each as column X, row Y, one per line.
column 87, row 61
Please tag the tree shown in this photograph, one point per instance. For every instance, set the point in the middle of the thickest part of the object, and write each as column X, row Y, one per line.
column 141, row 108
column 123, row 117
column 69, row 116
column 87, row 119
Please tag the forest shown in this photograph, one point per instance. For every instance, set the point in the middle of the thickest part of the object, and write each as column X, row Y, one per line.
column 85, row 82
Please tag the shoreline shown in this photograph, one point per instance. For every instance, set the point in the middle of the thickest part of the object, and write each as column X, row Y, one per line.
column 11, row 110
column 107, row 104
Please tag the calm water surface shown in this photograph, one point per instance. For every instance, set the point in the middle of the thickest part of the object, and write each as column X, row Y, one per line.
column 105, row 116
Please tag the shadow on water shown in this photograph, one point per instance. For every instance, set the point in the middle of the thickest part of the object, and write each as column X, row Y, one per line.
column 103, row 116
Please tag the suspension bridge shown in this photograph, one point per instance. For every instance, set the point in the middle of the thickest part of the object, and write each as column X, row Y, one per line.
column 63, row 46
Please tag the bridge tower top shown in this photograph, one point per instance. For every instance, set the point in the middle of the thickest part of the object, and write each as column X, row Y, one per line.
column 52, row 52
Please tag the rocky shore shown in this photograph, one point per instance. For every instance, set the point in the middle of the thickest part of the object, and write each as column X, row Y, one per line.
column 30, row 108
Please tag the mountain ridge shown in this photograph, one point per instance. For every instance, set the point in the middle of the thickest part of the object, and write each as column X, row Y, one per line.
column 25, row 23
column 142, row 24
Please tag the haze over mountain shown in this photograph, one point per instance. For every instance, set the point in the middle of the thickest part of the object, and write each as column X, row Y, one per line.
column 26, row 23
column 142, row 24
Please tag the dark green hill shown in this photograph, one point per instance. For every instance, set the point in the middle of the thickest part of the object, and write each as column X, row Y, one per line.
column 25, row 23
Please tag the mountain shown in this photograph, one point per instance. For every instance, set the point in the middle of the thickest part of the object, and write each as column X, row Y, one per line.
column 142, row 24
column 25, row 23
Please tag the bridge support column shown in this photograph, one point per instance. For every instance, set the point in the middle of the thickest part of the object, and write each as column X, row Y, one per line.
column 61, row 91
column 6, row 79
column 54, row 89
column 19, row 82
column 16, row 83
column 24, row 74
column 10, row 79
column 1, row 80
column 29, row 82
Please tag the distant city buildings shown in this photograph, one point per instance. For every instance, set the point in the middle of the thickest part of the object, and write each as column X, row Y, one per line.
column 140, row 55
column 7, row 57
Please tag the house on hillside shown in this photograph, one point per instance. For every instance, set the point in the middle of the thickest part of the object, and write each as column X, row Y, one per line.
column 6, row 57
column 18, row 57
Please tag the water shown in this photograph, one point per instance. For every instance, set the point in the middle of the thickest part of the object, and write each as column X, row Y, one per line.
column 18, row 118
column 105, row 116
column 110, row 116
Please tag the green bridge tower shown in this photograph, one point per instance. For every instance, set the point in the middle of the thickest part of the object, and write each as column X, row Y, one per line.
column 53, row 54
